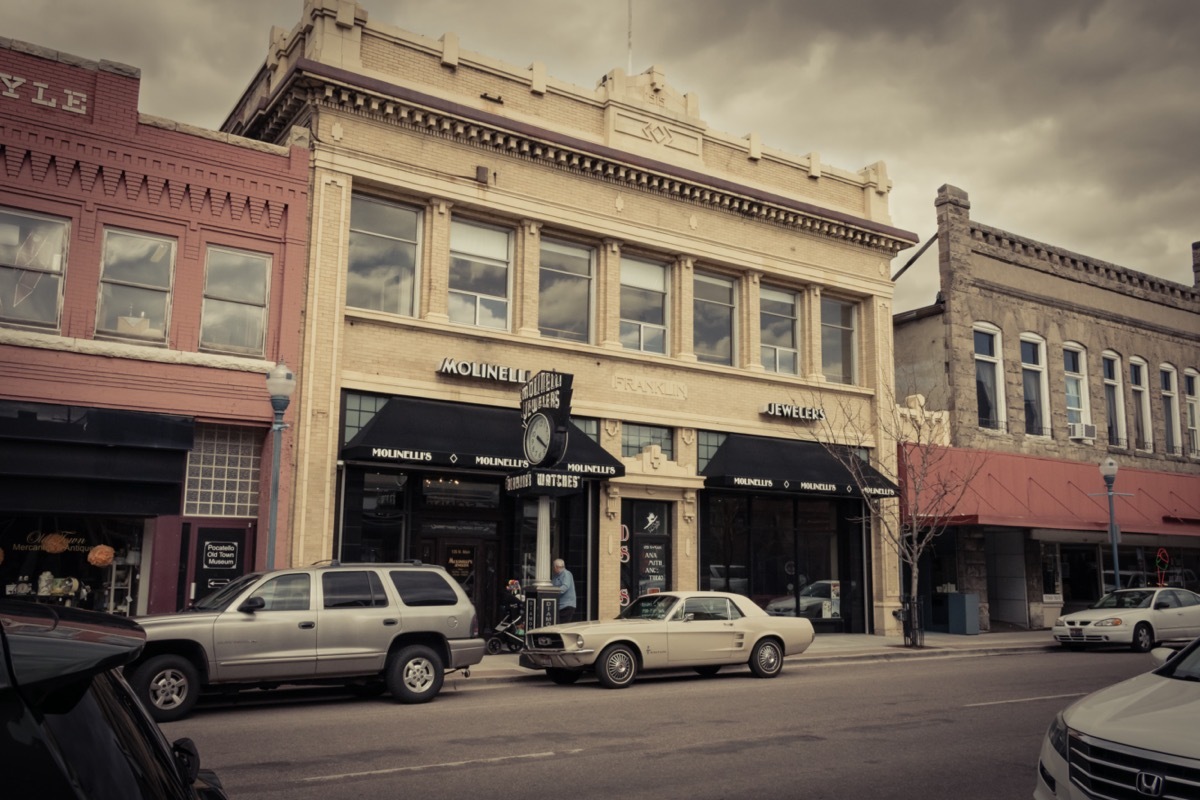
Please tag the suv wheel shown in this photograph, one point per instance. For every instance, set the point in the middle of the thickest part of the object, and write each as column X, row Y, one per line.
column 414, row 674
column 168, row 686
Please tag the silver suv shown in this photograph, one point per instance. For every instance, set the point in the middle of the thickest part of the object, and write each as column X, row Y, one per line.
column 370, row 627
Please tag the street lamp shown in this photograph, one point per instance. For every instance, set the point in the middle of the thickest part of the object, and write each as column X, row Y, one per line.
column 280, row 385
column 1108, row 471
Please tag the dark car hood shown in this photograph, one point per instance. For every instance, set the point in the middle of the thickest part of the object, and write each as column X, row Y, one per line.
column 53, row 645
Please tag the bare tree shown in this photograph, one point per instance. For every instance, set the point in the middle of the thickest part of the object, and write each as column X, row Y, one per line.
column 932, row 477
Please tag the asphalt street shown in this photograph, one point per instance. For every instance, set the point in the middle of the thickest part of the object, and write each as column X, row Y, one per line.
column 928, row 728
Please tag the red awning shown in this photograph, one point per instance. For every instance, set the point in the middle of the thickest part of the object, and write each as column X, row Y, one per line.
column 1020, row 491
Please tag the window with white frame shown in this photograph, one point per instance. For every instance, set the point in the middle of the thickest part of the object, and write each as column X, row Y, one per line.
column 590, row 427
column 839, row 340
column 636, row 438
column 1142, row 439
column 360, row 409
column 565, row 291
column 779, row 326
column 1169, row 382
column 713, row 316
column 989, row 380
column 235, row 301
column 135, row 285
column 479, row 259
column 1114, row 399
column 381, row 273
column 33, row 261
column 1034, row 384
column 643, row 305
column 223, row 472
column 1192, row 412
column 1075, row 379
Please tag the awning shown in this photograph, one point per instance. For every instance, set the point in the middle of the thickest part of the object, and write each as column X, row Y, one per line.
column 761, row 463
column 1016, row 491
column 431, row 433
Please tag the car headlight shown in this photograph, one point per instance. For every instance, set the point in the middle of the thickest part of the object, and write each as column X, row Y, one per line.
column 578, row 642
column 1111, row 622
column 1057, row 734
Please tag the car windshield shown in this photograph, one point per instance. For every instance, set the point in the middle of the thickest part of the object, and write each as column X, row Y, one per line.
column 1132, row 598
column 650, row 606
column 1185, row 666
column 221, row 598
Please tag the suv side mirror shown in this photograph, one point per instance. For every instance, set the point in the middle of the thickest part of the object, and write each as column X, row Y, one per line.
column 252, row 604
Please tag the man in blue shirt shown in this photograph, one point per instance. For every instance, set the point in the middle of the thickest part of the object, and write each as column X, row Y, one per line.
column 566, row 599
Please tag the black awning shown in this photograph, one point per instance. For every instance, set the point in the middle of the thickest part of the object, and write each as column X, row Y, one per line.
column 427, row 432
column 760, row 463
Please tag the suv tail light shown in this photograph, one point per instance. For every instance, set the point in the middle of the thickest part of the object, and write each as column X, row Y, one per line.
column 475, row 625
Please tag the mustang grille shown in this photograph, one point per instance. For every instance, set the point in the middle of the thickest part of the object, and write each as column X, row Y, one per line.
column 544, row 641
column 1109, row 771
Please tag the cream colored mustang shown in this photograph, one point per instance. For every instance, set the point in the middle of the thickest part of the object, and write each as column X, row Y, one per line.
column 671, row 630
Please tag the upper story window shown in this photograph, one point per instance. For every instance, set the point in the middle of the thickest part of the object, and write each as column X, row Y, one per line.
column 1169, row 381
column 565, row 291
column 1142, row 439
column 135, row 285
column 713, row 315
column 635, row 439
column 235, row 301
column 1192, row 412
column 359, row 410
column 778, row 325
column 1114, row 399
column 590, row 427
column 33, row 260
column 989, row 380
column 707, row 445
column 839, row 340
column 1075, row 377
column 643, row 305
column 384, row 241
column 1033, row 380
column 479, row 258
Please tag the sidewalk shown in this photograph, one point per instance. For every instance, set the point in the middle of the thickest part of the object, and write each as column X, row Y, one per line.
column 837, row 647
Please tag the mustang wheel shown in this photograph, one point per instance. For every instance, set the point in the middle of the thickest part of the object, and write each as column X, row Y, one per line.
column 563, row 677
column 168, row 686
column 617, row 666
column 708, row 670
column 1143, row 638
column 414, row 674
column 766, row 660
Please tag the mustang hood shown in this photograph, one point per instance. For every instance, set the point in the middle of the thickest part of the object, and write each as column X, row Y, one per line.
column 1149, row 711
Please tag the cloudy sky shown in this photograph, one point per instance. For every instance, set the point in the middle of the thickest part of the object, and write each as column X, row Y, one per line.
column 1073, row 122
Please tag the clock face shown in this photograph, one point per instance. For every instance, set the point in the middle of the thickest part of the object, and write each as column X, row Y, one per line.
column 538, row 433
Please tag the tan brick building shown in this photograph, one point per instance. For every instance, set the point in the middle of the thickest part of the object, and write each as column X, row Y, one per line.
column 1050, row 362
column 474, row 223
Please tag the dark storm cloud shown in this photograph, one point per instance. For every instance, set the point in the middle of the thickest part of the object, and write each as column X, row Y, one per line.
column 1074, row 122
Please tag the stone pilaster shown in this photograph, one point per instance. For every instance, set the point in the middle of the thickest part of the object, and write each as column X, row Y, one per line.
column 527, row 278
column 435, row 262
column 679, row 322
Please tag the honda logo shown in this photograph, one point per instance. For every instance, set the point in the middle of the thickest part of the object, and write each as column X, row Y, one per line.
column 1149, row 784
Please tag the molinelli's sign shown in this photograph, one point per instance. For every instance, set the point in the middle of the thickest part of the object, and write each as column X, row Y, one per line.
column 39, row 93
column 806, row 413
column 483, row 371
column 547, row 391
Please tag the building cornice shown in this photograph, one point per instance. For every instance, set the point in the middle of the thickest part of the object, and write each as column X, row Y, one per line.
column 312, row 84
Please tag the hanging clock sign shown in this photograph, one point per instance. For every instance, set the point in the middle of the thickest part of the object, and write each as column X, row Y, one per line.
column 545, row 413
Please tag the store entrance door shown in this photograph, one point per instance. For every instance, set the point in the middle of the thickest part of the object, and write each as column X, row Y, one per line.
column 213, row 556
column 472, row 562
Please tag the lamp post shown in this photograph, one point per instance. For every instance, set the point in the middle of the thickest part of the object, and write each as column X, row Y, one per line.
column 1108, row 471
column 280, row 385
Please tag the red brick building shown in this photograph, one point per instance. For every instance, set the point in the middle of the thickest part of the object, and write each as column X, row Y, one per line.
column 151, row 274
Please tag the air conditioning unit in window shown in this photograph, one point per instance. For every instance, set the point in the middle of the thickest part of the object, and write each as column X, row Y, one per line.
column 1080, row 430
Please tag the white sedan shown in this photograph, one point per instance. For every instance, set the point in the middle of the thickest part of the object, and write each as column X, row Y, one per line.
column 700, row 630
column 1135, row 739
column 1135, row 617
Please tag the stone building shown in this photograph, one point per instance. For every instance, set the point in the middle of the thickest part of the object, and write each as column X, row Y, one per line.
column 151, row 274
column 1048, row 363
column 474, row 223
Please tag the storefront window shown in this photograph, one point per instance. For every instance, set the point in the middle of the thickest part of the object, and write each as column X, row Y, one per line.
column 645, row 548
column 80, row 561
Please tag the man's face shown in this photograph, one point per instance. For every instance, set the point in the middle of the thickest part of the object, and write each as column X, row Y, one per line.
column 558, row 568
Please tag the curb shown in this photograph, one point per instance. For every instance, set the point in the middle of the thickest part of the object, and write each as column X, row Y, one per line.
column 514, row 674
